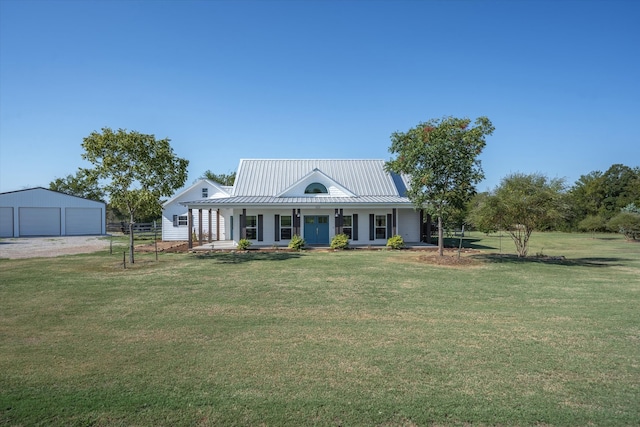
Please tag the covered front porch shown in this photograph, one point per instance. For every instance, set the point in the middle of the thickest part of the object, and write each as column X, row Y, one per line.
column 272, row 227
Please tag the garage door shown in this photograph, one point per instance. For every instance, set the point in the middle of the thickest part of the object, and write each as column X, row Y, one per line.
column 83, row 221
column 6, row 222
column 39, row 221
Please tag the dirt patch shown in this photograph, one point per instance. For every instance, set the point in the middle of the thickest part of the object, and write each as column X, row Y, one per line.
column 449, row 260
column 164, row 246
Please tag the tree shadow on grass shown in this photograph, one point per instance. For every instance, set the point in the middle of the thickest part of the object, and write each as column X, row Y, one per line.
column 467, row 243
column 569, row 262
column 242, row 257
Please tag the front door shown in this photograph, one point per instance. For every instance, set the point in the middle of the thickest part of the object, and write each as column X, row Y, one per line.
column 316, row 229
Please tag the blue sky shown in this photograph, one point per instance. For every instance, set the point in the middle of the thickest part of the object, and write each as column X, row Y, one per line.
column 226, row 80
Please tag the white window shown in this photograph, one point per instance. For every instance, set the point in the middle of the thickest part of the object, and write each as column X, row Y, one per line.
column 347, row 225
column 381, row 226
column 252, row 227
column 285, row 227
column 180, row 220
column 205, row 193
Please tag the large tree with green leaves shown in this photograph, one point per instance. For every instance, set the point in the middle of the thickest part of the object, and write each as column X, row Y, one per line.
column 602, row 195
column 79, row 185
column 521, row 204
column 440, row 157
column 220, row 178
column 135, row 171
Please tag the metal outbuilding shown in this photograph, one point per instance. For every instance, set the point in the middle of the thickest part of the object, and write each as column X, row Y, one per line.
column 42, row 212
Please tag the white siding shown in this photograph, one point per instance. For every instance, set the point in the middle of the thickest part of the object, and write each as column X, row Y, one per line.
column 6, row 222
column 40, row 222
column 409, row 225
column 171, row 232
column 83, row 221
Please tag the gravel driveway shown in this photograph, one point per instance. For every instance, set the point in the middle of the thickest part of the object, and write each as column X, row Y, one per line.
column 31, row 247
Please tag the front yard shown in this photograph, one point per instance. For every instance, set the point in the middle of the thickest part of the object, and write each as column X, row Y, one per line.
column 325, row 338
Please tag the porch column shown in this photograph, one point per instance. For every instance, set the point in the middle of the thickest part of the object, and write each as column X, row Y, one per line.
column 189, row 227
column 199, row 227
column 296, row 222
column 341, row 217
column 394, row 221
column 243, row 224
column 210, row 231
column 218, row 224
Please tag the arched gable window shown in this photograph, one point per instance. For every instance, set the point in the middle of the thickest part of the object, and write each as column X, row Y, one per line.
column 315, row 188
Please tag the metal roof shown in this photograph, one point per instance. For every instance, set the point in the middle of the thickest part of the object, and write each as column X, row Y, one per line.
column 261, row 182
column 269, row 177
column 300, row 201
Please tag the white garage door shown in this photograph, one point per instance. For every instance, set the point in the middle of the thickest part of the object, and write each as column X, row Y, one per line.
column 6, row 222
column 39, row 221
column 83, row 221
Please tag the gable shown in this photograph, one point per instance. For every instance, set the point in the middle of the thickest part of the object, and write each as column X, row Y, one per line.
column 195, row 192
column 316, row 180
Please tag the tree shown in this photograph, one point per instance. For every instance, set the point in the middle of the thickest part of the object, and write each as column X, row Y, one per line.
column 604, row 194
column 476, row 219
column 592, row 223
column 79, row 185
column 135, row 170
column 222, row 178
column 440, row 157
column 627, row 222
column 522, row 204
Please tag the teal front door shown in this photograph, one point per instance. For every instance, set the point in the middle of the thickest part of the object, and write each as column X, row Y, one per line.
column 316, row 229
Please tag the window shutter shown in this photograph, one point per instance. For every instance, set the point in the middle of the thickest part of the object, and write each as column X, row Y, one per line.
column 175, row 220
column 354, row 227
column 277, row 228
column 389, row 225
column 260, row 228
column 372, row 225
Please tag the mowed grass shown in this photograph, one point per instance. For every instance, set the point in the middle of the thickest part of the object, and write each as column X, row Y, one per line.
column 325, row 338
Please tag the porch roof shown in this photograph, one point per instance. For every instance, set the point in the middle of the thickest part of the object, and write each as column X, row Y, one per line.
column 272, row 201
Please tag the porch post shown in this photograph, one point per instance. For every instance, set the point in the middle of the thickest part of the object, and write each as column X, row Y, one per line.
column 394, row 221
column 218, row 224
column 200, row 227
column 296, row 222
column 243, row 224
column 189, row 226
column 210, row 232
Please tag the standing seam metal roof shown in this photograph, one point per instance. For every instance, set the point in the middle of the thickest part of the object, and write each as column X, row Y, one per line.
column 269, row 177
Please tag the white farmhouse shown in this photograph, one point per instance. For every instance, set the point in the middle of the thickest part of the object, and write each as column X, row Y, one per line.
column 273, row 200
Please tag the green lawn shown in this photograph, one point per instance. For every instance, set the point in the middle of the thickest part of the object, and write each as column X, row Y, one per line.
column 325, row 338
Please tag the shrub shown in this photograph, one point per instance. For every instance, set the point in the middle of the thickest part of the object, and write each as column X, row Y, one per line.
column 296, row 243
column 626, row 223
column 243, row 244
column 340, row 241
column 395, row 242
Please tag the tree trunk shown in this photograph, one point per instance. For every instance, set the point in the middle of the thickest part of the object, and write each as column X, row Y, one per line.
column 440, row 237
column 131, row 259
